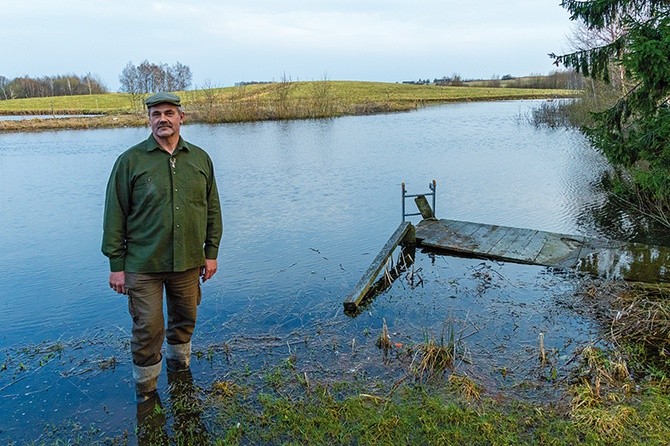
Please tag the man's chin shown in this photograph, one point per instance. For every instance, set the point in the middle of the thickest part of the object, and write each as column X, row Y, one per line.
column 164, row 132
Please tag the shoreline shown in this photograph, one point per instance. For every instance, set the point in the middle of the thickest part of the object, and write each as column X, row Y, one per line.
column 289, row 388
column 198, row 116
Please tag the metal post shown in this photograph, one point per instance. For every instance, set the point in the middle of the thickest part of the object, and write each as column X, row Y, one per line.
column 403, row 200
column 433, row 186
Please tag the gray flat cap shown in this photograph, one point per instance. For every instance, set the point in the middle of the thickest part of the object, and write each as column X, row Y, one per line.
column 162, row 98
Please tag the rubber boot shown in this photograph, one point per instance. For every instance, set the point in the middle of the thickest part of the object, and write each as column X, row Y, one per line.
column 146, row 381
column 178, row 357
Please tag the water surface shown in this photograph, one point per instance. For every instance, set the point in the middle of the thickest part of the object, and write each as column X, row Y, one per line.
column 306, row 205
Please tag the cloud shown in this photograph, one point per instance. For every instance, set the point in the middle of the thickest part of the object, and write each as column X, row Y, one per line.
column 230, row 39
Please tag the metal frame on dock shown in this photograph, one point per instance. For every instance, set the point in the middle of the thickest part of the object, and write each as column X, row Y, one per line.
column 405, row 195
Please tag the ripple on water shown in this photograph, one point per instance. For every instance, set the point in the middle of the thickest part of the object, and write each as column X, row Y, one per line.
column 307, row 205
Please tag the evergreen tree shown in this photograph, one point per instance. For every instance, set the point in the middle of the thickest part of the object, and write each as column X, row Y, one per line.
column 634, row 134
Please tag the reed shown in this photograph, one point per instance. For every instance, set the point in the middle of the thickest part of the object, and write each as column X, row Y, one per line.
column 643, row 316
column 433, row 358
column 384, row 339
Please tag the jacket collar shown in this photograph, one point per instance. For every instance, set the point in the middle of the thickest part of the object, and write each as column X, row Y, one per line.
column 151, row 144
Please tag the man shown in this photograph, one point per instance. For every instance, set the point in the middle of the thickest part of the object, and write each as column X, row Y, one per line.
column 162, row 228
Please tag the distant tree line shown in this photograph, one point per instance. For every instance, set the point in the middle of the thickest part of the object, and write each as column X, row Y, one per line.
column 565, row 79
column 59, row 85
column 148, row 77
column 244, row 83
column 560, row 79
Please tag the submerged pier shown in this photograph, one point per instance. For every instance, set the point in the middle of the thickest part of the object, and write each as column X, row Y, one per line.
column 604, row 258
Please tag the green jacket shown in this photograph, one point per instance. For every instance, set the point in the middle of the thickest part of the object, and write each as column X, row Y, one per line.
column 162, row 211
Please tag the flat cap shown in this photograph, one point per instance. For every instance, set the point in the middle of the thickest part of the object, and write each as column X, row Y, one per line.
column 162, row 98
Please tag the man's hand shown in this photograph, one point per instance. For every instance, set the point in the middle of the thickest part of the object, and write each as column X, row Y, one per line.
column 207, row 271
column 117, row 281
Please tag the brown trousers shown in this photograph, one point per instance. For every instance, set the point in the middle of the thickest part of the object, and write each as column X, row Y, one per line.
column 145, row 305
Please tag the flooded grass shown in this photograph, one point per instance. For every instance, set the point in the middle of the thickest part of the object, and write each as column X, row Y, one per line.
column 600, row 401
column 434, row 358
column 453, row 413
column 472, row 369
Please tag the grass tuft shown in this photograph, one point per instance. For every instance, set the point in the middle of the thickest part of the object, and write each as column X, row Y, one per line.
column 434, row 357
column 467, row 388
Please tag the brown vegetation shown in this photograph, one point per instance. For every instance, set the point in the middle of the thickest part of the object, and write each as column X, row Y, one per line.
column 38, row 124
column 258, row 102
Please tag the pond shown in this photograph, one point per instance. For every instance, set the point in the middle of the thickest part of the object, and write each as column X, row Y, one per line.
column 306, row 205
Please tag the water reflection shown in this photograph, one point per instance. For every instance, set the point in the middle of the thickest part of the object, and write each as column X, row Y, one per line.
column 634, row 262
column 185, row 409
column 151, row 422
column 617, row 220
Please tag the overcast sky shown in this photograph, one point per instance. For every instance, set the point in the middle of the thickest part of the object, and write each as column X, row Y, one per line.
column 227, row 41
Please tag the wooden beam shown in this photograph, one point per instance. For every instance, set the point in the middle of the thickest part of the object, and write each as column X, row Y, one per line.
column 425, row 209
column 386, row 279
column 404, row 234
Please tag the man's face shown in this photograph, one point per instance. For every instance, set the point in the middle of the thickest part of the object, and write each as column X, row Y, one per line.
column 165, row 120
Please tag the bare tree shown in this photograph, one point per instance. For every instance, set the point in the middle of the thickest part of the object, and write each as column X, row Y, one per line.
column 4, row 87
column 584, row 38
column 283, row 90
column 322, row 101
column 149, row 77
column 181, row 75
column 130, row 83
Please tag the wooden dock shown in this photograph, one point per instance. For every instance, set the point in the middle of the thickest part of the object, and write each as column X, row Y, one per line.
column 606, row 258
column 603, row 258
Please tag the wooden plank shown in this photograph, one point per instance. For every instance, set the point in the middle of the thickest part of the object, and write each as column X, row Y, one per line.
column 430, row 232
column 469, row 228
column 454, row 225
column 424, row 207
column 532, row 248
column 386, row 279
column 560, row 250
column 520, row 245
column 460, row 239
column 430, row 229
column 465, row 237
column 489, row 236
column 505, row 244
column 364, row 284
column 449, row 228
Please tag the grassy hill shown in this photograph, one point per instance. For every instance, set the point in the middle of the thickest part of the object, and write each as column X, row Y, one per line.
column 253, row 102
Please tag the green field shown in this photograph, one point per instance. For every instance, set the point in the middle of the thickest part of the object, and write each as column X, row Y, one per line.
column 346, row 91
column 255, row 102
